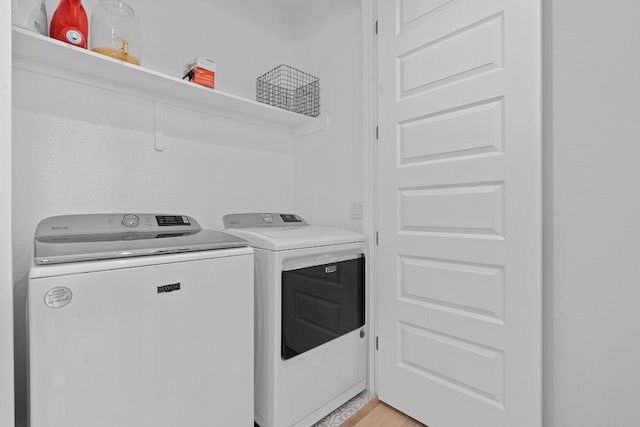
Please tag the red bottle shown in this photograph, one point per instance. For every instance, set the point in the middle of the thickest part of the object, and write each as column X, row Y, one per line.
column 69, row 23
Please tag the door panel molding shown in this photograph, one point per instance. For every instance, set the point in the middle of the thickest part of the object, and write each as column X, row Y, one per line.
column 459, row 211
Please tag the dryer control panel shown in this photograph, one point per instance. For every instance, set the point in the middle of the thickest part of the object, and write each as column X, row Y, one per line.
column 246, row 220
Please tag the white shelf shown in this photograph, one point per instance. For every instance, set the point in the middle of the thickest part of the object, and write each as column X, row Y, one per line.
column 49, row 56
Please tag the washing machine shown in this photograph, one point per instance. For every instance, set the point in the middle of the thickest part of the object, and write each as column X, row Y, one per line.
column 139, row 320
column 310, row 334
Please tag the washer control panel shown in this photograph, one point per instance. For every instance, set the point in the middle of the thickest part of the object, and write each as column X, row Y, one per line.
column 115, row 223
column 246, row 220
column 172, row 220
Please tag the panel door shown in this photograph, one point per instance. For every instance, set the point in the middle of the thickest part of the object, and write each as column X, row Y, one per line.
column 459, row 211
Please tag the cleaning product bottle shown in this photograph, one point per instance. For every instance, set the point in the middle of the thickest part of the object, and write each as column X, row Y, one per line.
column 30, row 14
column 69, row 23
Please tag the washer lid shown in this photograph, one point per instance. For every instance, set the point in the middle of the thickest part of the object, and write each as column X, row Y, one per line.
column 71, row 238
column 286, row 238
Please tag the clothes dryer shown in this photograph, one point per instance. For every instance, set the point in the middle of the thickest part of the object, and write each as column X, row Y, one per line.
column 310, row 343
column 139, row 320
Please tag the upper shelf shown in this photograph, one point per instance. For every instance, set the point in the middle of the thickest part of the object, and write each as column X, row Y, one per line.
column 43, row 54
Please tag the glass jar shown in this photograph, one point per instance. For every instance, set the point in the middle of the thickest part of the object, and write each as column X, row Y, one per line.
column 115, row 31
column 30, row 14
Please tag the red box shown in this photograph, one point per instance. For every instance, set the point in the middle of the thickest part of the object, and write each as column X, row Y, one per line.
column 201, row 71
column 202, row 77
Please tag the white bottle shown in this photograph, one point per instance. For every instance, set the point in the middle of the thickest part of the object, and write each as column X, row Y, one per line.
column 30, row 14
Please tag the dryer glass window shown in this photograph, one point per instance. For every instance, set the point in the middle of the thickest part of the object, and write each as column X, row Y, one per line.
column 320, row 303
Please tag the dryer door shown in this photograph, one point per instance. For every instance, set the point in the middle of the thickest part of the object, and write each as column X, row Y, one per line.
column 320, row 303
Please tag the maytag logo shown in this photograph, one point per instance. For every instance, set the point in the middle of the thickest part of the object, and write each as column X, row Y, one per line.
column 59, row 227
column 331, row 269
column 169, row 288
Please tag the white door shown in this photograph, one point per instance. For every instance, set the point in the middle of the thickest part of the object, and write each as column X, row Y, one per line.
column 459, row 205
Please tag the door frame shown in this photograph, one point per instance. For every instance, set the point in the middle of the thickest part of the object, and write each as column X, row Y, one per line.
column 7, row 408
column 369, row 10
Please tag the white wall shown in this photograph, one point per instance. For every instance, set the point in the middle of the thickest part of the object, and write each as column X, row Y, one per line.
column 592, row 370
column 6, row 291
column 328, row 165
column 79, row 149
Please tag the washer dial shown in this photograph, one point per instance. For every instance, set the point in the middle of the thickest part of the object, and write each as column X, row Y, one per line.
column 268, row 218
column 130, row 220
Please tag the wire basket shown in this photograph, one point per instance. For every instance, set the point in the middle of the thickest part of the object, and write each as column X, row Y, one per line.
column 290, row 89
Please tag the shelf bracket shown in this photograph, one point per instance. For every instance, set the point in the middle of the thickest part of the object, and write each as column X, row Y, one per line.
column 158, row 119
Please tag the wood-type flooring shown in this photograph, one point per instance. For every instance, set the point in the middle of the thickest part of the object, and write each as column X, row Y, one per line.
column 379, row 414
